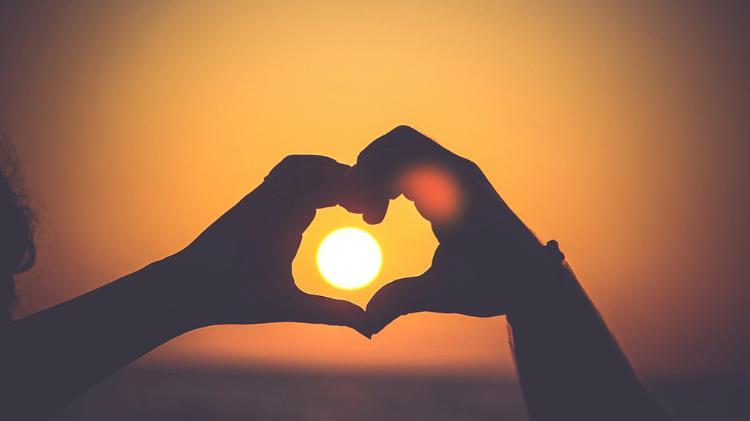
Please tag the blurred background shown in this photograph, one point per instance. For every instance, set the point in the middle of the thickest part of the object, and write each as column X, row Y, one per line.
column 619, row 129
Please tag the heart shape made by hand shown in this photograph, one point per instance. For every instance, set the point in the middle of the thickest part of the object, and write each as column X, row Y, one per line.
column 481, row 266
column 484, row 249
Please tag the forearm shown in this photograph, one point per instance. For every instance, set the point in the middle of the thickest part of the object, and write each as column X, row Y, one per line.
column 52, row 356
column 569, row 365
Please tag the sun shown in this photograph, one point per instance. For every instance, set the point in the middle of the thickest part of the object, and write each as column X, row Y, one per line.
column 349, row 258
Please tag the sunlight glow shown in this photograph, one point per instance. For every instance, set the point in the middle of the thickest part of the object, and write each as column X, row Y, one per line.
column 349, row 258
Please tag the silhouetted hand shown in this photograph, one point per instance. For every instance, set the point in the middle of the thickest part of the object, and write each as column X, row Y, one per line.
column 240, row 269
column 484, row 250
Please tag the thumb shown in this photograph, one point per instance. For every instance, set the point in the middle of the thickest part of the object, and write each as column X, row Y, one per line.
column 324, row 310
column 400, row 297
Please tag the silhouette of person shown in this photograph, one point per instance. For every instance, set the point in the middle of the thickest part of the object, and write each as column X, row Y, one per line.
column 489, row 263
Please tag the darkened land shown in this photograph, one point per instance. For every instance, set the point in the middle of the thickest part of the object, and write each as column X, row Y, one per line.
column 147, row 394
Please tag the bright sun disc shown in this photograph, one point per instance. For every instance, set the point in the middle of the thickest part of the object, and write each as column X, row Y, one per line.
column 349, row 258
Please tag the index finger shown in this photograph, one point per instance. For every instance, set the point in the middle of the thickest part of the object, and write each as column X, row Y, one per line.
column 308, row 180
column 294, row 189
column 404, row 161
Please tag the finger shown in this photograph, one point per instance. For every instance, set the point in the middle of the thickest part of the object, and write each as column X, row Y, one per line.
column 378, row 176
column 411, row 143
column 399, row 298
column 323, row 310
column 299, row 185
column 369, row 183
column 310, row 180
column 361, row 195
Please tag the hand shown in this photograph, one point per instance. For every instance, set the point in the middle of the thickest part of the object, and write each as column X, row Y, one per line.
column 485, row 251
column 240, row 269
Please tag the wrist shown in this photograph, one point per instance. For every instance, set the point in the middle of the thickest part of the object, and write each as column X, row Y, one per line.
column 544, row 284
column 177, row 291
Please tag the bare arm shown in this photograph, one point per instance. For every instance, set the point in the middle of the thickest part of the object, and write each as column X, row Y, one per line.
column 567, row 360
column 51, row 357
column 238, row 271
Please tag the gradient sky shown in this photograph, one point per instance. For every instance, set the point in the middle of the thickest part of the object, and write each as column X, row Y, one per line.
column 620, row 130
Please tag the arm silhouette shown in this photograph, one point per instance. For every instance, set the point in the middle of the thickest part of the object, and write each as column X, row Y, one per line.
column 51, row 357
column 237, row 271
column 568, row 362
column 488, row 263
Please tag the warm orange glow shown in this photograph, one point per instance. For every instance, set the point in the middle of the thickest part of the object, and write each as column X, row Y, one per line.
column 600, row 125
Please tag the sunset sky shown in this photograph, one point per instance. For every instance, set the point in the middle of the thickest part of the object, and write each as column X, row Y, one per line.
column 623, row 132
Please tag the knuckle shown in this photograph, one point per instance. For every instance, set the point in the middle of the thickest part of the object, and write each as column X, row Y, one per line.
column 403, row 130
column 284, row 164
column 397, row 137
column 469, row 165
column 307, row 161
column 291, row 160
column 405, row 135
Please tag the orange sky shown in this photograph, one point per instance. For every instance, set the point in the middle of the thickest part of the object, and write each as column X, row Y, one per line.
column 618, row 131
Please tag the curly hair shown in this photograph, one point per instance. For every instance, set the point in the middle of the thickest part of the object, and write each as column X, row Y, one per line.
column 17, row 249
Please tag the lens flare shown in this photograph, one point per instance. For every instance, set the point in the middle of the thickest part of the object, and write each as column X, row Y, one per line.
column 434, row 190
